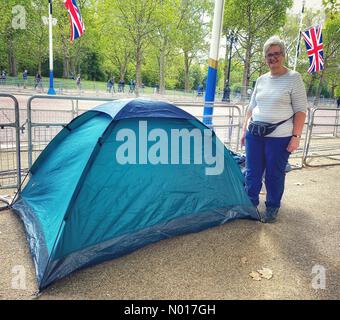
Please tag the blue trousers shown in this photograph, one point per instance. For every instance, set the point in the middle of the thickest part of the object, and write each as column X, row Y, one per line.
column 269, row 155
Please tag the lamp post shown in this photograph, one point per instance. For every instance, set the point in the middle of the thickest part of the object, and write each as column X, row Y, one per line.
column 231, row 38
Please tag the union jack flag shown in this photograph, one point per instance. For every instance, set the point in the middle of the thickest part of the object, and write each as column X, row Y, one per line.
column 77, row 24
column 314, row 45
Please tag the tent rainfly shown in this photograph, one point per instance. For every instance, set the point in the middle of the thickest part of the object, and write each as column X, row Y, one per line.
column 123, row 175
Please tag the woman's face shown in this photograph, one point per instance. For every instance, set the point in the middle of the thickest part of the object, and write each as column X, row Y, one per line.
column 274, row 57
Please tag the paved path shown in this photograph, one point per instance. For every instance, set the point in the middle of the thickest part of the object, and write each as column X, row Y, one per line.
column 302, row 246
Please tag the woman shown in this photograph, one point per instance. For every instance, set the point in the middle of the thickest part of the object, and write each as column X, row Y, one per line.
column 278, row 96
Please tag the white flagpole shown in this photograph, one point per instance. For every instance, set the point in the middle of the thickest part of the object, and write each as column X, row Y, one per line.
column 51, row 89
column 299, row 35
column 213, row 62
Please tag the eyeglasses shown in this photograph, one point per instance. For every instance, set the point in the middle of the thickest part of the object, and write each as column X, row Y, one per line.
column 274, row 54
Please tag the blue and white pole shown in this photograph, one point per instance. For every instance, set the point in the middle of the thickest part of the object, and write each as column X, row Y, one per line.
column 213, row 63
column 51, row 88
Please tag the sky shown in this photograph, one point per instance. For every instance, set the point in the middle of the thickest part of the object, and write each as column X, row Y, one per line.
column 297, row 5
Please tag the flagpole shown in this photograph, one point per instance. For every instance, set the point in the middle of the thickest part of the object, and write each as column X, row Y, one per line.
column 299, row 35
column 51, row 88
column 213, row 62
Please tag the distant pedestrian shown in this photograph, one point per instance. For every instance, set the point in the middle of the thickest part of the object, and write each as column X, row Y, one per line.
column 38, row 82
column 200, row 90
column 226, row 92
column 24, row 78
column 132, row 86
column 109, row 85
column 121, row 85
column 113, row 84
column 3, row 76
column 78, row 82
column 338, row 102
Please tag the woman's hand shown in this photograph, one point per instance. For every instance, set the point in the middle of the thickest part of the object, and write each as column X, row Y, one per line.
column 243, row 137
column 293, row 144
column 244, row 128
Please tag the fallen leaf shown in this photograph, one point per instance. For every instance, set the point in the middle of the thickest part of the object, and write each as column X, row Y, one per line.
column 255, row 275
column 266, row 273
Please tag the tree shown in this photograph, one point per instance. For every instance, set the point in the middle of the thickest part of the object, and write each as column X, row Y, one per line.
column 331, row 40
column 165, row 42
column 193, row 32
column 37, row 33
column 12, row 30
column 139, row 21
column 116, row 49
column 254, row 21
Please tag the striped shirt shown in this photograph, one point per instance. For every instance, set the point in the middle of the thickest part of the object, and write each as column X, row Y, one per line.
column 277, row 98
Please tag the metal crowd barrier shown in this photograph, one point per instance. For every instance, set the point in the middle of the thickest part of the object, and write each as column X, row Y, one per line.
column 227, row 125
column 10, row 159
column 227, row 121
column 45, row 121
column 42, row 129
column 322, row 137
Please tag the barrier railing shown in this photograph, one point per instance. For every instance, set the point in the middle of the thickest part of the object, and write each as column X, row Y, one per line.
column 227, row 124
column 42, row 129
column 10, row 158
column 323, row 141
column 44, row 121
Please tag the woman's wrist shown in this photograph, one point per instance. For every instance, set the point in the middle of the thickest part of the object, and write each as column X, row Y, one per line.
column 296, row 136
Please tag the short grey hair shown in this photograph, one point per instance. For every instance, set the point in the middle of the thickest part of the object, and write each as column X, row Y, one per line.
column 274, row 41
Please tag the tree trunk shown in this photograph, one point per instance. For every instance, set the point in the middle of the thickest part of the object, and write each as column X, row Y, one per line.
column 246, row 73
column 66, row 66
column 40, row 57
column 310, row 86
column 333, row 86
column 162, row 72
column 122, row 65
column 122, row 71
column 317, row 97
column 138, row 70
column 226, row 62
column 77, row 57
column 12, row 59
column 186, row 72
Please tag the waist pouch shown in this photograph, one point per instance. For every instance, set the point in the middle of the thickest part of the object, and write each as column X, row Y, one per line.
column 261, row 129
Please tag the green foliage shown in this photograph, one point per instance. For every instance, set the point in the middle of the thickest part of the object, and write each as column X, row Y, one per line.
column 337, row 91
column 253, row 22
column 161, row 42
